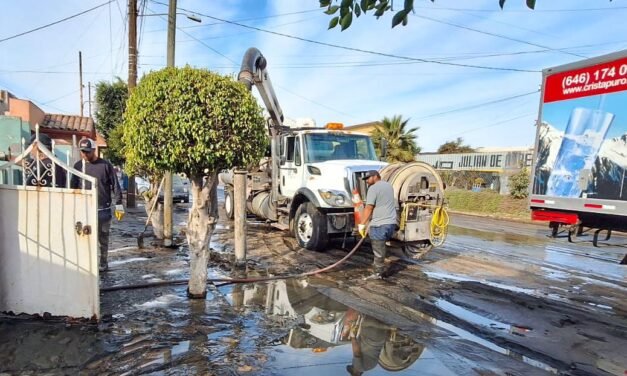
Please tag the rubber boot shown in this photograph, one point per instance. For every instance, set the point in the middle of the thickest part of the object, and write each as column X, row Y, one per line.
column 379, row 251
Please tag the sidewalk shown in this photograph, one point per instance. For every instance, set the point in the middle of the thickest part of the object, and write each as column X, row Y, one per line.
column 142, row 330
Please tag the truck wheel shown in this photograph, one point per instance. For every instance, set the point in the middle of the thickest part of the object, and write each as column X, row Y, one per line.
column 229, row 205
column 416, row 251
column 310, row 227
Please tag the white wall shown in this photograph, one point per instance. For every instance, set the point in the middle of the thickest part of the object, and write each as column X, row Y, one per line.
column 45, row 266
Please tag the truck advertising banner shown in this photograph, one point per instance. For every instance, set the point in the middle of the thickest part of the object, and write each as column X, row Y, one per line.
column 582, row 135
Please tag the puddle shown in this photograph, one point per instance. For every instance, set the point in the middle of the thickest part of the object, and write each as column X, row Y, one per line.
column 324, row 335
column 469, row 316
column 126, row 261
column 160, row 302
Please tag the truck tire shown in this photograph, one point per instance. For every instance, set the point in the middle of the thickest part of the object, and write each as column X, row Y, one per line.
column 229, row 204
column 310, row 227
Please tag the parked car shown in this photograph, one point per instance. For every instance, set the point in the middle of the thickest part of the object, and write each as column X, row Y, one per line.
column 180, row 189
column 141, row 185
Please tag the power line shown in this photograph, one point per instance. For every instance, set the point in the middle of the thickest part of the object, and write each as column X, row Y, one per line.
column 50, row 72
column 496, row 123
column 316, row 103
column 55, row 22
column 198, row 40
column 357, row 49
column 243, row 19
column 474, row 106
column 59, row 98
column 522, row 10
column 495, row 35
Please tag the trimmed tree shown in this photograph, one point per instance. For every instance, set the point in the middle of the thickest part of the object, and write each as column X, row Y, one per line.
column 197, row 122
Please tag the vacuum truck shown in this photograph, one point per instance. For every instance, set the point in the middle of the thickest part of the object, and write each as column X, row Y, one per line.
column 581, row 147
column 310, row 183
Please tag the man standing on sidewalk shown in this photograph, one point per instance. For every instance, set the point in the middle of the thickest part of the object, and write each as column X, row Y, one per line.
column 380, row 204
column 107, row 184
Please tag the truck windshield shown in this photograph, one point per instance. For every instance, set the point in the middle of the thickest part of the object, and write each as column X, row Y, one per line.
column 320, row 147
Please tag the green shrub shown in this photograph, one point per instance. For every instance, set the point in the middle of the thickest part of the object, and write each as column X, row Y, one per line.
column 519, row 184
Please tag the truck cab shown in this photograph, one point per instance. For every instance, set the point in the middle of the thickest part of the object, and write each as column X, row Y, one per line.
column 319, row 168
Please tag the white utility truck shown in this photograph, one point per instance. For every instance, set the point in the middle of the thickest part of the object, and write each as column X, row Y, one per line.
column 310, row 182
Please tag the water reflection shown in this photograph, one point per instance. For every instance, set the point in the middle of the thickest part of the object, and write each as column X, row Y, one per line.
column 327, row 334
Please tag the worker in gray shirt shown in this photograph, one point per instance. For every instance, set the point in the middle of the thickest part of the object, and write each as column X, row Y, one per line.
column 108, row 189
column 381, row 206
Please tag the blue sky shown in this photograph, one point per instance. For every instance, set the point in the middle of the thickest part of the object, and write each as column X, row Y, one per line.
column 487, row 107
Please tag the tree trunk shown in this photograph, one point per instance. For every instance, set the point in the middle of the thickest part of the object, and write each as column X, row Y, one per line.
column 156, row 219
column 203, row 217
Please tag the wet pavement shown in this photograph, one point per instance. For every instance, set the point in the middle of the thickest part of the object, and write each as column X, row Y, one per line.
column 499, row 298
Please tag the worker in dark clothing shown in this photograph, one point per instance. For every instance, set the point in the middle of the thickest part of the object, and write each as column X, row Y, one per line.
column 381, row 206
column 107, row 185
column 39, row 167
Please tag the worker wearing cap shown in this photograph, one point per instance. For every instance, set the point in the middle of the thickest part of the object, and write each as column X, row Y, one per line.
column 381, row 206
column 108, row 185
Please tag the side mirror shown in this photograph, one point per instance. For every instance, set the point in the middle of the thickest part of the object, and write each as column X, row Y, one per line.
column 384, row 149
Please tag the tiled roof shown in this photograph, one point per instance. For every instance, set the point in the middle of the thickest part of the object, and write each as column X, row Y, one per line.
column 68, row 123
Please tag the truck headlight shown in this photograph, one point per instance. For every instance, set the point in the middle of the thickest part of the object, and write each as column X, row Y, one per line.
column 333, row 197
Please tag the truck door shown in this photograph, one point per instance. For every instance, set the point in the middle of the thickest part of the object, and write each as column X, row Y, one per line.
column 291, row 169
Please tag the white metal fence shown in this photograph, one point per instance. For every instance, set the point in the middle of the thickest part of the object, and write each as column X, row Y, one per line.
column 48, row 237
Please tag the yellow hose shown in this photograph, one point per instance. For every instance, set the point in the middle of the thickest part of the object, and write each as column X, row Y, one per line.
column 439, row 226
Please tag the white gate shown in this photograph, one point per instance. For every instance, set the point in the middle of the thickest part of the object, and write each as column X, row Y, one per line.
column 48, row 238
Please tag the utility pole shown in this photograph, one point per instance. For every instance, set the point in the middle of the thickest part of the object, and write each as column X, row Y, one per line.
column 89, row 97
column 167, row 190
column 80, row 78
column 239, row 198
column 132, row 82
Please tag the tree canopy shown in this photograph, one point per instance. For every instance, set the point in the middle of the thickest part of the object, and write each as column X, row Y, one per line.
column 349, row 8
column 197, row 122
column 399, row 138
column 455, row 146
column 191, row 120
column 110, row 106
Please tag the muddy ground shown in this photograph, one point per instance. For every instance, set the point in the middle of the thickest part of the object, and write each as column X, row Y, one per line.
column 499, row 298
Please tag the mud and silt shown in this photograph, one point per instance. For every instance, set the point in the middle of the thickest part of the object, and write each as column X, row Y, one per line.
column 487, row 303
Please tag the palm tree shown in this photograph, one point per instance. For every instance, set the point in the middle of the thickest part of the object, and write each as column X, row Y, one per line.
column 401, row 142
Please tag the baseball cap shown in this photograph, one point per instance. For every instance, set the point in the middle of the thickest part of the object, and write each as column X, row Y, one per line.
column 370, row 173
column 87, row 145
column 44, row 139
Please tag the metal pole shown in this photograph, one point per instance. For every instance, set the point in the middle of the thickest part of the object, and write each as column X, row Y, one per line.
column 80, row 78
column 239, row 200
column 132, row 82
column 167, row 191
column 89, row 98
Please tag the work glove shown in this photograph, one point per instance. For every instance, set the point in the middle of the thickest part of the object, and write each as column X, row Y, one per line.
column 362, row 230
column 119, row 212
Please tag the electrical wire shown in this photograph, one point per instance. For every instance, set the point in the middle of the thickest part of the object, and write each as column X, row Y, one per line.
column 356, row 49
column 474, row 106
column 523, row 10
column 495, row 35
column 55, row 22
column 242, row 20
column 198, row 40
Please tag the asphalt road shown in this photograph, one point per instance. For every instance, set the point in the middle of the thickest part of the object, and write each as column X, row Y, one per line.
column 498, row 297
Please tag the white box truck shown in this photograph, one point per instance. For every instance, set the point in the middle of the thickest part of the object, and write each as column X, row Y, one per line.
column 580, row 162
